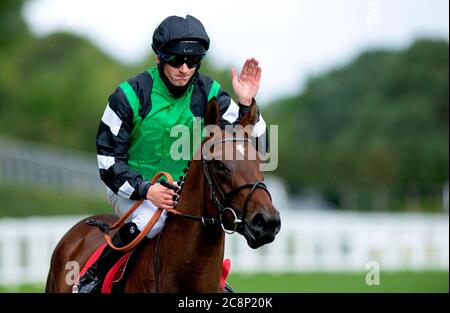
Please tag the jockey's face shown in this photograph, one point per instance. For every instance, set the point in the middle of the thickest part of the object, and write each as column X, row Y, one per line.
column 178, row 76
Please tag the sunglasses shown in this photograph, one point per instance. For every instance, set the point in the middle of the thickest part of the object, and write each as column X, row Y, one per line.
column 177, row 60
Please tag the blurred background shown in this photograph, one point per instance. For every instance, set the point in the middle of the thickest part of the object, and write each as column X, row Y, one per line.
column 358, row 88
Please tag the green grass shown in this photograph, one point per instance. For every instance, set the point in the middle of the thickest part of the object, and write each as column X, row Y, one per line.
column 46, row 201
column 28, row 288
column 341, row 282
column 319, row 282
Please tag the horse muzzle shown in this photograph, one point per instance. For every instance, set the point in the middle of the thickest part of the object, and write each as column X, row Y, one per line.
column 261, row 229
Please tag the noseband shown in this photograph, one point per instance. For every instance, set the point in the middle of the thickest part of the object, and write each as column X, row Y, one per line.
column 215, row 189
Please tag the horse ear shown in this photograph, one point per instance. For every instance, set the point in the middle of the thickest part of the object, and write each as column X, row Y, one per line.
column 250, row 118
column 212, row 116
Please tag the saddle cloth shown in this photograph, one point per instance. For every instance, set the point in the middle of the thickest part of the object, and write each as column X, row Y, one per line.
column 115, row 274
column 114, row 280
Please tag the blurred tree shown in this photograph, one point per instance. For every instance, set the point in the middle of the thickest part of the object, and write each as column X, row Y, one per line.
column 11, row 22
column 12, row 31
column 57, row 88
column 372, row 132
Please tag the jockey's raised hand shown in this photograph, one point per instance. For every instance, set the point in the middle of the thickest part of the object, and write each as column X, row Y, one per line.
column 246, row 85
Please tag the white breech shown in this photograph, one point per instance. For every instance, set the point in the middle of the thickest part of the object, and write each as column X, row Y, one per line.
column 141, row 215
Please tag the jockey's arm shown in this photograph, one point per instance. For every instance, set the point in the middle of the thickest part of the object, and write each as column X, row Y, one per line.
column 113, row 138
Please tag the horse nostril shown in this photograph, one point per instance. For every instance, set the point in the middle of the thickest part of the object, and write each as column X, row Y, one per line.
column 266, row 223
column 259, row 221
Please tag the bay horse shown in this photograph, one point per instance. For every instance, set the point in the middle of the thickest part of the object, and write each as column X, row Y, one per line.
column 187, row 255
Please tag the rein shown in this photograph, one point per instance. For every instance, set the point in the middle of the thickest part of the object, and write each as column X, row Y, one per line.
column 105, row 228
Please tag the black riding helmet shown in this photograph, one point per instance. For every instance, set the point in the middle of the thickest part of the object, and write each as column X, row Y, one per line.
column 182, row 36
column 176, row 41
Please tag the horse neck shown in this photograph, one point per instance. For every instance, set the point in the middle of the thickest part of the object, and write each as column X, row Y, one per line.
column 191, row 199
column 208, row 240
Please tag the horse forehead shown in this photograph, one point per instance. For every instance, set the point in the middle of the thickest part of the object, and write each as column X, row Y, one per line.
column 230, row 149
column 241, row 146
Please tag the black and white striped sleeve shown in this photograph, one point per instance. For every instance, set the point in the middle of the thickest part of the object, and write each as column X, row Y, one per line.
column 113, row 139
column 231, row 114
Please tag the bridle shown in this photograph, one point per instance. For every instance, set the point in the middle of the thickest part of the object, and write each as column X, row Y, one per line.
column 215, row 191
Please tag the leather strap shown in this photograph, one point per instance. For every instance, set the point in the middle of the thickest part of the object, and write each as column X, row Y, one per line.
column 147, row 227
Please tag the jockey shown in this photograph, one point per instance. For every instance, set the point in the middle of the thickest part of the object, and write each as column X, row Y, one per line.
column 133, row 139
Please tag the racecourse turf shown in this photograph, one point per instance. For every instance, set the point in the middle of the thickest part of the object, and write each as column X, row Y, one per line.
column 318, row 282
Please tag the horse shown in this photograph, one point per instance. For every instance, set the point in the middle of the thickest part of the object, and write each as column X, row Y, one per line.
column 187, row 255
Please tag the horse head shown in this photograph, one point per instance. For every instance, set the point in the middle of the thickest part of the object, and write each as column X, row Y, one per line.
column 231, row 165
